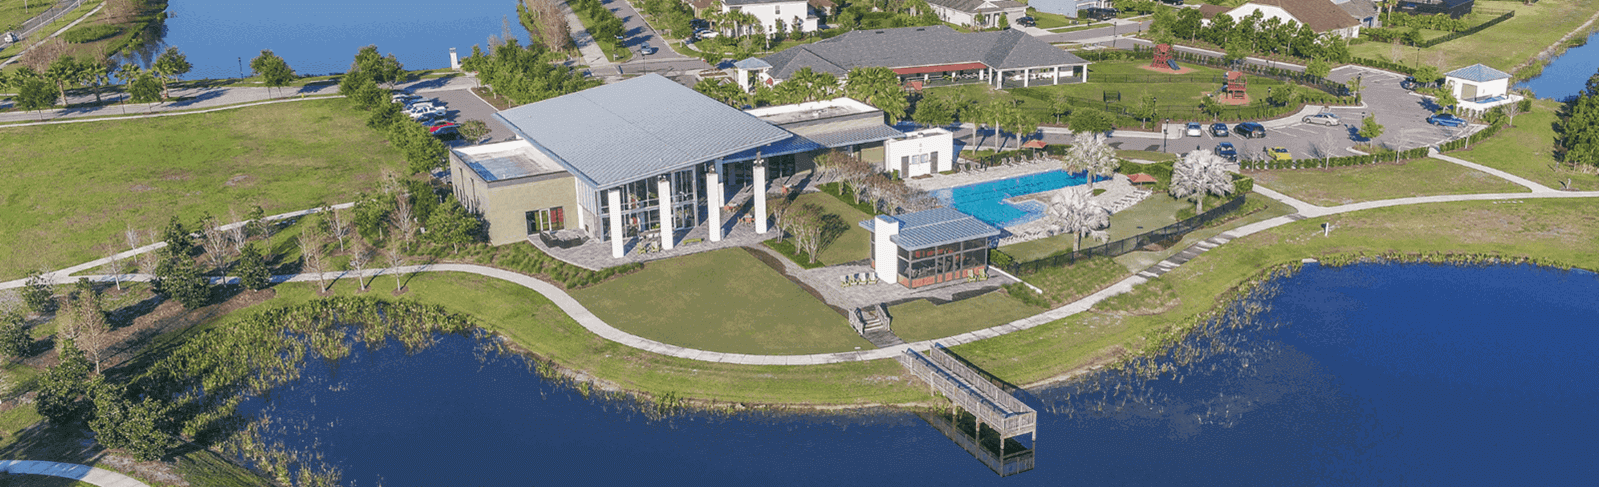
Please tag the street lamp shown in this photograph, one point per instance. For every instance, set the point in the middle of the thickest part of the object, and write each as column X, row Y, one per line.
column 1164, row 128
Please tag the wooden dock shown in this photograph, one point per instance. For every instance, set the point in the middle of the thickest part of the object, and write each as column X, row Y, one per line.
column 967, row 388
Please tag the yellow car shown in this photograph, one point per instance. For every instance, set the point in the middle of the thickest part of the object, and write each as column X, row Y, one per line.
column 1279, row 154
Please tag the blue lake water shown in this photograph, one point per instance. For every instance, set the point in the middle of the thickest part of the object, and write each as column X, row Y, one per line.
column 1370, row 374
column 986, row 201
column 321, row 37
column 1566, row 75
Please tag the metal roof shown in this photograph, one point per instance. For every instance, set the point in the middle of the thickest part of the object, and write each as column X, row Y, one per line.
column 506, row 160
column 919, row 46
column 931, row 228
column 842, row 134
column 751, row 63
column 636, row 128
column 1478, row 73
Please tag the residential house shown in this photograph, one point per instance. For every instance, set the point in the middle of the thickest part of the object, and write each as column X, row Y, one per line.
column 978, row 13
column 1363, row 11
column 1321, row 16
column 769, row 12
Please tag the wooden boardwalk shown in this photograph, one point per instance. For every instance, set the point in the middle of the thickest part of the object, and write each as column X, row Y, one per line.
column 967, row 388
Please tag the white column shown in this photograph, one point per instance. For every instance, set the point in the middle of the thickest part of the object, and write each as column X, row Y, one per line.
column 1085, row 73
column 663, row 189
column 885, row 255
column 1027, row 77
column 743, row 80
column 1057, row 75
column 713, row 204
column 615, row 196
column 759, row 193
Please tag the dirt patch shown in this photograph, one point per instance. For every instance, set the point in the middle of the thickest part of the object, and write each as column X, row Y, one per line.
column 140, row 188
column 136, row 325
column 1165, row 70
column 239, row 180
column 153, row 471
column 1104, row 357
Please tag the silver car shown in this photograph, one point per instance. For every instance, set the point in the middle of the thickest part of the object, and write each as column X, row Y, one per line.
column 1323, row 118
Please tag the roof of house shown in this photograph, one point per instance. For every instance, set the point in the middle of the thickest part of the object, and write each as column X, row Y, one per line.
column 636, row 128
column 1209, row 10
column 977, row 6
column 919, row 46
column 931, row 228
column 701, row 4
column 1478, row 73
column 822, row 4
column 734, row 3
column 751, row 63
column 1357, row 9
column 1319, row 15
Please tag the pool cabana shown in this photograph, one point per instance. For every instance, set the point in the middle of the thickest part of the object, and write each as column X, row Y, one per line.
column 929, row 247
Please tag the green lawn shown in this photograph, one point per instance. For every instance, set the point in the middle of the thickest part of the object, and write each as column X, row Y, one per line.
column 32, row 11
column 1418, row 177
column 725, row 301
column 854, row 244
column 1504, row 46
column 1561, row 230
column 923, row 320
column 1527, row 150
column 1048, row 20
column 71, row 190
column 1145, row 155
column 1158, row 210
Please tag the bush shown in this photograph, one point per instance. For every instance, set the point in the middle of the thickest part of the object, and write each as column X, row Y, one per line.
column 90, row 33
column 1000, row 259
column 1026, row 295
column 37, row 294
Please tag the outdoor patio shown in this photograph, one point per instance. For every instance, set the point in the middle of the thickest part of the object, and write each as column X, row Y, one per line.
column 828, row 281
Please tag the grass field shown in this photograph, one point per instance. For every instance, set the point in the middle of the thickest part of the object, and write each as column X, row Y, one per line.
column 69, row 191
column 1561, row 230
column 51, row 28
column 1419, row 177
column 1504, row 46
column 1527, row 150
column 923, row 320
column 854, row 244
column 1156, row 211
column 724, row 301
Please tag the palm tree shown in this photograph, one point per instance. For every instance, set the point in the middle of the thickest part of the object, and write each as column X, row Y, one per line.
column 1199, row 173
column 1071, row 210
column 1090, row 154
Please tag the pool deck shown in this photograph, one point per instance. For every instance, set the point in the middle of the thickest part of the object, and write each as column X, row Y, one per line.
column 1119, row 194
column 943, row 181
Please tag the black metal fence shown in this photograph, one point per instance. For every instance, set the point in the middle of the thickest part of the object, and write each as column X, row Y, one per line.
column 1129, row 244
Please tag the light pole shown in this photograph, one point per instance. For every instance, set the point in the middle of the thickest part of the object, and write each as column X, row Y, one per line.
column 1164, row 136
column 241, row 67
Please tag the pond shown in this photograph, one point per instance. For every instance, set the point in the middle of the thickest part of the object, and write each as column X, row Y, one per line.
column 1568, row 74
column 221, row 36
column 1368, row 374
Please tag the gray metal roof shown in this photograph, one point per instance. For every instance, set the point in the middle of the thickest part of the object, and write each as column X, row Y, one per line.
column 636, row 128
column 848, row 133
column 931, row 228
column 734, row 3
column 751, row 63
column 919, row 46
column 1478, row 73
column 975, row 6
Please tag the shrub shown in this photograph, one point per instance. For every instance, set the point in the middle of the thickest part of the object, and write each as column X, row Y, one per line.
column 90, row 33
column 1000, row 259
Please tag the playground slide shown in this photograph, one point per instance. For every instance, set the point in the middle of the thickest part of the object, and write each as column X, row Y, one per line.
column 1173, row 64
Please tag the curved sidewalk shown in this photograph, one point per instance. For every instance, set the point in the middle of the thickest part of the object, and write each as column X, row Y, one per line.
column 81, row 473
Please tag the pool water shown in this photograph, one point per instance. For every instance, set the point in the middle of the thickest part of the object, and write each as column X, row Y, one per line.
column 986, row 201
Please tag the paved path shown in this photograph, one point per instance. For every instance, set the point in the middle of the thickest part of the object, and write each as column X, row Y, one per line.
column 1535, row 187
column 197, row 97
column 81, row 473
column 56, row 33
column 592, row 55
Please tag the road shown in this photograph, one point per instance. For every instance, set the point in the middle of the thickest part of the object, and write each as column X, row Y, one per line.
column 201, row 95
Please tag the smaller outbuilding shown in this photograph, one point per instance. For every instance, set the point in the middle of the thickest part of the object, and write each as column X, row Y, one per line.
column 1480, row 88
column 929, row 247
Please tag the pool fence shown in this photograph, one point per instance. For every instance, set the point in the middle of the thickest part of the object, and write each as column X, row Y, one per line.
column 1129, row 244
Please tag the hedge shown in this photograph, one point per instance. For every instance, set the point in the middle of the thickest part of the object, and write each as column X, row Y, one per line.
column 1479, row 28
column 1345, row 161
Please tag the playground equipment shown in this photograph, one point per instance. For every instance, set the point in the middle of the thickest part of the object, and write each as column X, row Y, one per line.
column 1235, row 86
column 1163, row 57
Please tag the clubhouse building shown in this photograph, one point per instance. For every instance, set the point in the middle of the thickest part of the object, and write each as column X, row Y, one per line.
column 647, row 161
column 926, row 56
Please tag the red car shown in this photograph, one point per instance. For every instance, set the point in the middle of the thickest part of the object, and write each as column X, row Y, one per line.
column 443, row 128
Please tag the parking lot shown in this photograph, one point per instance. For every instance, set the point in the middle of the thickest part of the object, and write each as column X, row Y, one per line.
column 462, row 105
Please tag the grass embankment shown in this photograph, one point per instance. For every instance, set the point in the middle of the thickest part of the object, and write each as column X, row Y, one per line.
column 1557, row 230
column 923, row 320
column 65, row 20
column 723, row 301
column 1527, row 150
column 850, row 244
column 1502, row 46
column 1419, row 177
column 73, row 189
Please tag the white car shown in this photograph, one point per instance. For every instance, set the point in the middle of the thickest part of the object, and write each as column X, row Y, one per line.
column 406, row 98
column 431, row 112
column 1323, row 118
column 1193, row 129
column 706, row 33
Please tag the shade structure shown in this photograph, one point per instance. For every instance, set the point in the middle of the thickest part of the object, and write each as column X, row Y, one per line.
column 1141, row 178
column 1034, row 144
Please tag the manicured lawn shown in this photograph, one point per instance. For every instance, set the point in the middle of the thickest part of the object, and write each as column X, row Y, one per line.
column 1418, row 177
column 1068, row 283
column 1145, row 155
column 1158, row 210
column 69, row 191
column 1527, row 150
column 1561, row 230
column 1048, row 20
column 852, row 245
column 1502, row 46
column 725, row 301
column 922, row 320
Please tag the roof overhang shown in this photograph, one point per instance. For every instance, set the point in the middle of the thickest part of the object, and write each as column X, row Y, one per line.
column 938, row 68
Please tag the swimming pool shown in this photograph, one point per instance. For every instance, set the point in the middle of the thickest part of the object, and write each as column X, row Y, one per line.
column 986, row 201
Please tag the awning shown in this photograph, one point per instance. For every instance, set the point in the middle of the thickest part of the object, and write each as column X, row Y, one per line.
column 1034, row 144
column 940, row 68
column 1141, row 178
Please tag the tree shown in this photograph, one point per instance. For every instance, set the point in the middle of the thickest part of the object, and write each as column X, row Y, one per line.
column 216, row 243
column 1199, row 173
column 380, row 69
column 37, row 294
column 1284, row 95
column 170, row 66
column 933, row 111
column 97, row 75
column 452, row 225
column 402, row 218
column 1071, row 210
column 1318, row 68
column 273, row 70
column 878, row 87
column 122, row 424
column 396, row 259
column 1445, row 100
column 143, row 88
column 63, row 386
column 179, row 241
column 14, row 340
column 1369, row 128
column 1060, row 105
column 1579, row 130
column 1427, row 74
column 313, row 255
column 1090, row 154
column 1511, row 110
column 473, row 131
column 252, row 269
column 89, row 324
column 63, row 72
column 177, row 278
column 1090, row 120
column 35, row 94
column 358, row 262
column 1145, row 110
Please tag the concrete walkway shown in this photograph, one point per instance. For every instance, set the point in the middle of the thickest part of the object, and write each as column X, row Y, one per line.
column 212, row 97
column 81, row 473
column 1535, row 187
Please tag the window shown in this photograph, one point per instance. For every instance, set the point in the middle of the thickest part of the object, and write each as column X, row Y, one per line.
column 545, row 220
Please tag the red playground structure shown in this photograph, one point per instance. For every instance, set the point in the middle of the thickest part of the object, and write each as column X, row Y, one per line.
column 1235, row 86
column 1163, row 58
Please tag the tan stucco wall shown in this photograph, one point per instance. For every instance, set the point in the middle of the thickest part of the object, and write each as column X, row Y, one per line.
column 508, row 205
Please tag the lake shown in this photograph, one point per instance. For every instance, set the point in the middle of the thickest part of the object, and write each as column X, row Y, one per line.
column 1568, row 74
column 1367, row 374
column 322, row 37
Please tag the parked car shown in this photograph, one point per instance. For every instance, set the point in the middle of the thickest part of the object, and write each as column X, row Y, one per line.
column 646, row 49
column 435, row 111
column 1194, row 130
column 419, row 102
column 1279, row 154
column 1098, row 13
column 1250, row 130
column 706, row 33
column 1446, row 120
column 1323, row 118
column 699, row 24
column 1026, row 22
column 1410, row 84
column 1218, row 130
column 406, row 98
column 444, row 128
column 1226, row 149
